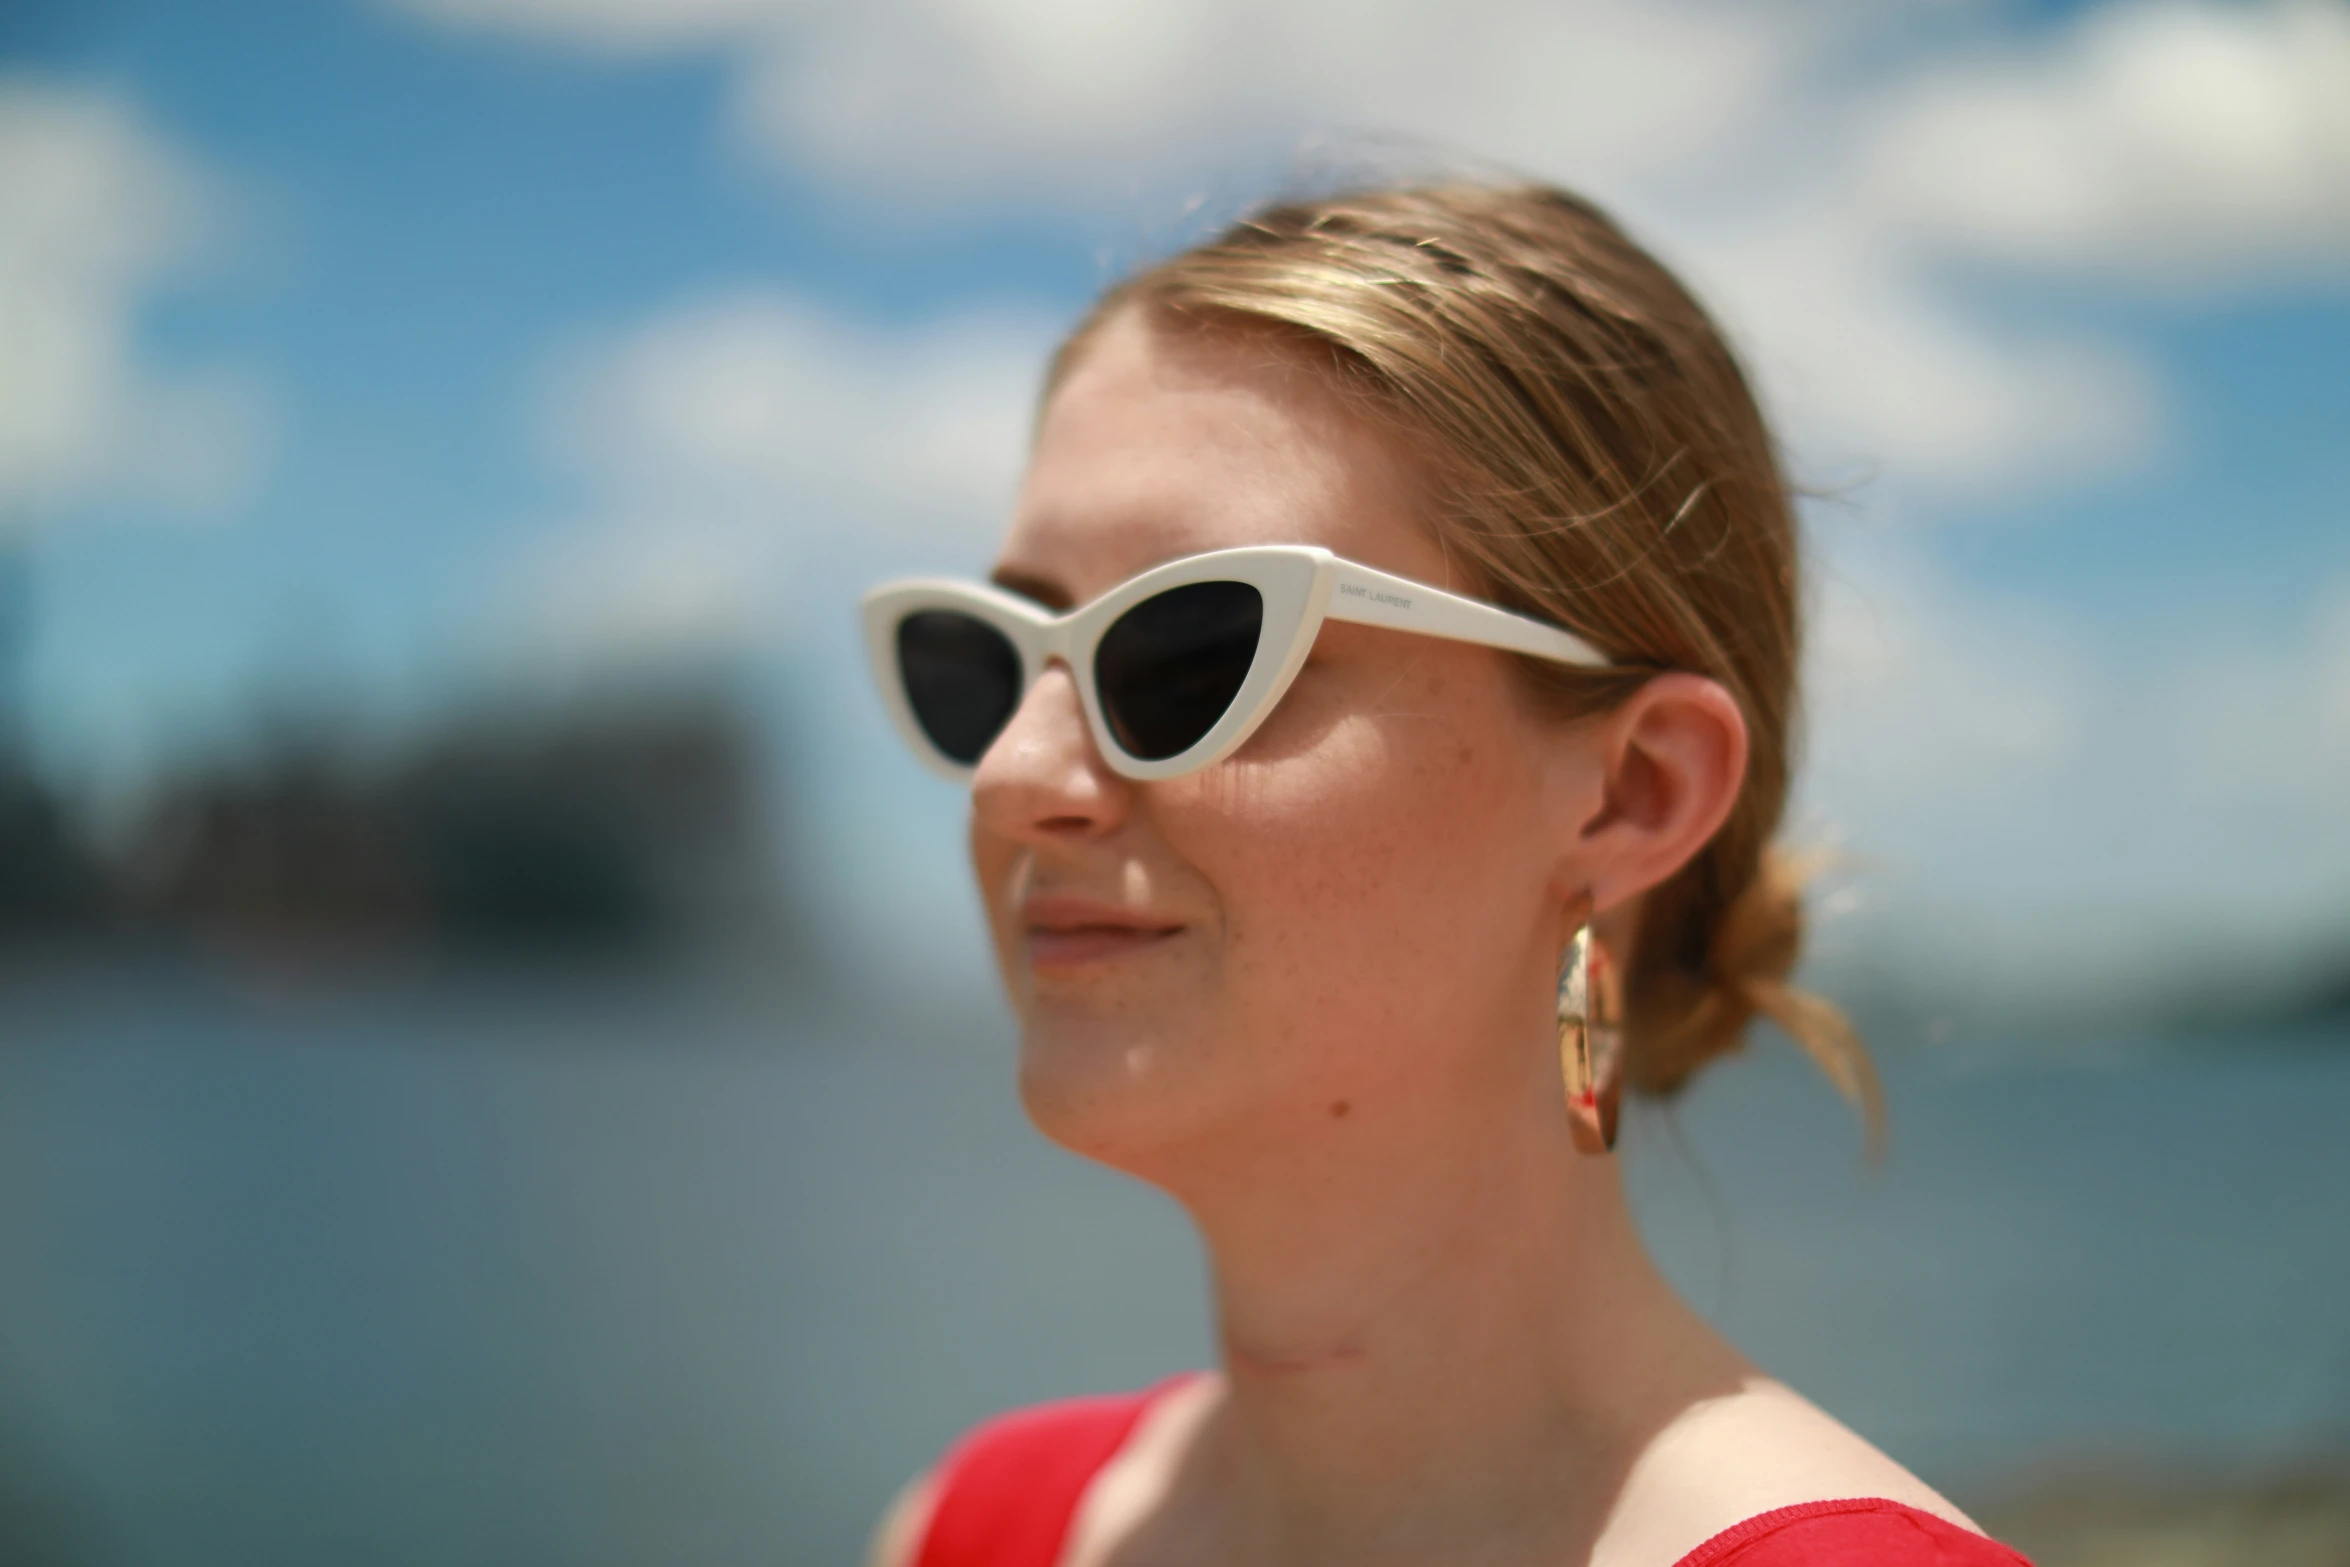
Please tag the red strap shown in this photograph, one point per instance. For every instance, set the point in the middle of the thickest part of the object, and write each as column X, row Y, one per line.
column 1871, row 1531
column 1007, row 1491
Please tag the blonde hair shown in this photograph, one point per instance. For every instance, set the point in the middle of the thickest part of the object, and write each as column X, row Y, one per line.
column 1598, row 461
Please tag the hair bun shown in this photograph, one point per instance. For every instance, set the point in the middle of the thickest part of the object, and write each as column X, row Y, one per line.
column 1752, row 949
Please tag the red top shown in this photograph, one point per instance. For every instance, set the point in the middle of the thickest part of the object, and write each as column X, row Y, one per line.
column 1007, row 1491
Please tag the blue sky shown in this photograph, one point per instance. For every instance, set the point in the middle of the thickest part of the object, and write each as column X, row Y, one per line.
column 494, row 340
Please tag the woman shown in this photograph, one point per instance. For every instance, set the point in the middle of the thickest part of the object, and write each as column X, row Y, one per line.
column 1315, row 869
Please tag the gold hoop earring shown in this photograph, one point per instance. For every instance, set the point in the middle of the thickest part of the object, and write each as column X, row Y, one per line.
column 1591, row 1040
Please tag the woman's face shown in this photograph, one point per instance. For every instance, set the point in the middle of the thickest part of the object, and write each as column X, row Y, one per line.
column 1340, row 920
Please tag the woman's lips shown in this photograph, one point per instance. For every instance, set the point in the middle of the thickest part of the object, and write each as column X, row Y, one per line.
column 1066, row 932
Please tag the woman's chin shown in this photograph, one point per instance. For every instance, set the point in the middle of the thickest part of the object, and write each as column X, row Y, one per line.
column 1108, row 1091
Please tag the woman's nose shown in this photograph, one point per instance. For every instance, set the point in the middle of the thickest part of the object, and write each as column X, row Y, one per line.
column 1043, row 778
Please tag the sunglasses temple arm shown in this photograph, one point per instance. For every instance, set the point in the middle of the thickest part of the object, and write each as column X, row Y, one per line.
column 1373, row 598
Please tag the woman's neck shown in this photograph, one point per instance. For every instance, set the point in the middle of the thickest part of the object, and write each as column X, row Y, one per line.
column 1434, row 1333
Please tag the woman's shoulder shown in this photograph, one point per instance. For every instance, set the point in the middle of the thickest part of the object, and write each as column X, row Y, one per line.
column 1871, row 1531
column 1765, row 1471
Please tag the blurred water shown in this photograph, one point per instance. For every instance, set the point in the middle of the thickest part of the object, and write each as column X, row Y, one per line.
column 649, row 1270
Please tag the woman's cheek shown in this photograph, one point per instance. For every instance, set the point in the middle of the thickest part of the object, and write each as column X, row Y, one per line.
column 1392, row 836
column 1304, row 854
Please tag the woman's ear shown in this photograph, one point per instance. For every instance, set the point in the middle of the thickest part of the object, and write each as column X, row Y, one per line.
column 1670, row 763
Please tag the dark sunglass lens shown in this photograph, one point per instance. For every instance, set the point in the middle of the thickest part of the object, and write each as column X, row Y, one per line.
column 1170, row 666
column 962, row 679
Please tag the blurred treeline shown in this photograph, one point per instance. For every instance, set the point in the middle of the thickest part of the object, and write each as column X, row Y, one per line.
column 618, row 823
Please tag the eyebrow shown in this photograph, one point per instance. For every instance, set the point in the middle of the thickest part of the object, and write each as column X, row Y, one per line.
column 1042, row 590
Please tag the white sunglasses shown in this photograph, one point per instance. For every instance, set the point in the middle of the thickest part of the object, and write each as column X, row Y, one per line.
column 1174, row 668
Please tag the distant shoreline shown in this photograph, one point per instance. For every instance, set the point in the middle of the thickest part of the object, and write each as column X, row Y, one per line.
column 2295, row 1515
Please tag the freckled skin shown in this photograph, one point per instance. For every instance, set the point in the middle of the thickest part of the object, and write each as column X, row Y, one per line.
column 1361, row 884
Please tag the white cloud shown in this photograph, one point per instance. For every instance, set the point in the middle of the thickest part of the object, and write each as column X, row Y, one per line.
column 615, row 27
column 2184, row 141
column 1987, row 752
column 96, row 212
column 1953, row 704
column 1867, row 367
column 759, row 393
column 956, row 100
column 736, row 441
column 1825, row 204
column 2264, row 729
